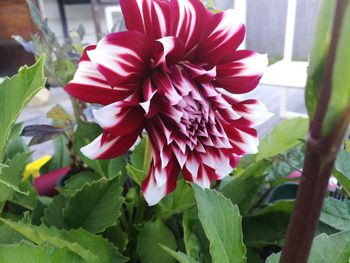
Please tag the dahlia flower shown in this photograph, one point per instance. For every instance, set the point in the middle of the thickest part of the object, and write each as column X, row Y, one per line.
column 173, row 73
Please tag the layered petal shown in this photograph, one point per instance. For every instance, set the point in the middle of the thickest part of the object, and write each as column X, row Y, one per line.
column 150, row 17
column 90, row 85
column 187, row 21
column 222, row 36
column 107, row 146
column 123, row 58
column 241, row 72
column 160, row 181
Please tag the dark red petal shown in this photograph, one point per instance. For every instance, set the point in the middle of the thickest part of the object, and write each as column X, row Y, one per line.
column 150, row 17
column 123, row 58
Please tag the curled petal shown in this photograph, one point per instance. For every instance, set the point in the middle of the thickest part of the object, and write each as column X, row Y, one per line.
column 223, row 34
column 200, row 74
column 160, row 182
column 107, row 146
column 169, row 50
column 188, row 18
column 115, row 118
column 91, row 86
column 150, row 17
column 242, row 71
column 122, row 57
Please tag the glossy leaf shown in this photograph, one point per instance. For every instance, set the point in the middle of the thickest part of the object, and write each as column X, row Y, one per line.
column 222, row 225
column 149, row 240
column 96, row 206
column 15, row 93
column 336, row 213
column 283, row 137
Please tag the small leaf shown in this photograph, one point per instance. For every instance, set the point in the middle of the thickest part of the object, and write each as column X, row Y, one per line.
column 42, row 133
column 242, row 189
column 137, row 175
column 96, row 206
column 342, row 170
column 283, row 137
column 77, row 181
column 149, row 240
column 222, row 225
column 11, row 177
column 15, row 93
column 58, row 113
column 336, row 213
column 179, row 256
column 178, row 201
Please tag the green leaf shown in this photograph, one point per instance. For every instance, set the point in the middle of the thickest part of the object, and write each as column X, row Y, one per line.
column 178, row 201
column 15, row 93
column 84, row 135
column 152, row 235
column 319, row 54
column 59, row 114
column 138, row 155
column 137, row 175
column 339, row 103
column 29, row 253
column 267, row 226
column 336, row 213
column 242, row 189
column 222, row 225
column 325, row 249
column 15, row 144
column 77, row 181
column 11, row 177
column 90, row 247
column 342, row 170
column 96, row 206
column 196, row 242
column 53, row 214
column 283, row 137
column 179, row 256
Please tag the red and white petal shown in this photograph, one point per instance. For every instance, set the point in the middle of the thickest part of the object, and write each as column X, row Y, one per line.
column 200, row 74
column 91, row 86
column 115, row 118
column 160, row 182
column 123, row 57
column 169, row 51
column 254, row 111
column 223, row 34
column 150, row 17
column 107, row 146
column 188, row 18
column 242, row 71
column 166, row 88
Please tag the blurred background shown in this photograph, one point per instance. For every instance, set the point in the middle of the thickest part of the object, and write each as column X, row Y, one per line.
column 282, row 29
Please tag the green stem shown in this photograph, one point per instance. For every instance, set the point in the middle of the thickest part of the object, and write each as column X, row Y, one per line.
column 147, row 156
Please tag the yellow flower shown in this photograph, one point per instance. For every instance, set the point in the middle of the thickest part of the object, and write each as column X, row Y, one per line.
column 34, row 167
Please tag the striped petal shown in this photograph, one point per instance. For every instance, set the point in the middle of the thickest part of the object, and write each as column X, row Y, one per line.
column 188, row 18
column 223, row 34
column 91, row 86
column 123, row 58
column 242, row 72
column 169, row 51
column 115, row 118
column 150, row 17
column 107, row 146
column 160, row 182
